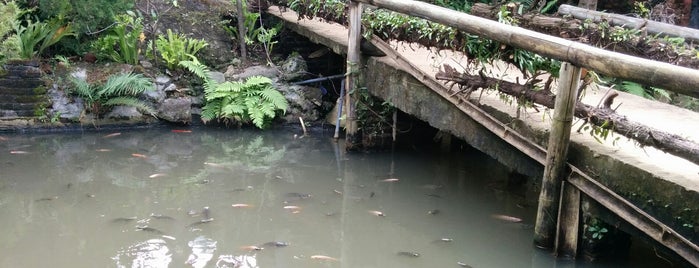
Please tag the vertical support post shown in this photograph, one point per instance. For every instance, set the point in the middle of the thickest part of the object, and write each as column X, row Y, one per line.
column 242, row 31
column 568, row 222
column 547, row 213
column 353, row 64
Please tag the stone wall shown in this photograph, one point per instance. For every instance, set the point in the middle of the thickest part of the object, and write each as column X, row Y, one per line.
column 22, row 91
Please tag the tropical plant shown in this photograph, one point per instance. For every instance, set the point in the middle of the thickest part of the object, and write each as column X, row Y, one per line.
column 122, row 43
column 120, row 89
column 9, row 43
column 254, row 101
column 35, row 37
column 177, row 47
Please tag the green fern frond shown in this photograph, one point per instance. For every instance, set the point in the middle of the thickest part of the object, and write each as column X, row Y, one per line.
column 257, row 117
column 197, row 68
column 210, row 110
column 275, row 97
column 130, row 101
column 83, row 89
column 128, row 84
column 257, row 80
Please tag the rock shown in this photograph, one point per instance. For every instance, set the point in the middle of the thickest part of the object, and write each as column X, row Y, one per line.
column 261, row 70
column 294, row 68
column 162, row 80
column 155, row 96
column 146, row 64
column 303, row 102
column 64, row 106
column 79, row 73
column 124, row 113
column 176, row 110
column 170, row 89
column 217, row 76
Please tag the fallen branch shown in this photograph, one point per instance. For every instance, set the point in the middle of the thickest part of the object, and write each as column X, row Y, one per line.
column 602, row 117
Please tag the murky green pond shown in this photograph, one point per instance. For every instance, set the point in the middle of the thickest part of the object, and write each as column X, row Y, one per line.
column 241, row 198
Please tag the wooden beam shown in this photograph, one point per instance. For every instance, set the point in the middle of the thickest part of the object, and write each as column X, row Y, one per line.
column 242, row 32
column 653, row 27
column 663, row 75
column 568, row 222
column 556, row 156
column 636, row 217
column 353, row 69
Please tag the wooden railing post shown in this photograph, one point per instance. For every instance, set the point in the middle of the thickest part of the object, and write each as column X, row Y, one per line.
column 353, row 64
column 547, row 213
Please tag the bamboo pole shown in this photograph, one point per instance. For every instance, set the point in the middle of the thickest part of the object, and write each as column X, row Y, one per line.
column 652, row 27
column 353, row 62
column 242, row 32
column 547, row 213
column 568, row 222
column 664, row 75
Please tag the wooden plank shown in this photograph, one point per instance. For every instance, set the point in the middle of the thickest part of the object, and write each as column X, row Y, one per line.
column 556, row 156
column 636, row 217
column 353, row 64
column 653, row 27
column 568, row 222
column 663, row 75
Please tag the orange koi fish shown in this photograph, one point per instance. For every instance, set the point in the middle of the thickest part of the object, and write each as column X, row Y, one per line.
column 181, row 131
column 112, row 135
column 139, row 155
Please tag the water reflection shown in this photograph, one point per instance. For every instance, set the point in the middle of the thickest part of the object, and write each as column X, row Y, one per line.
column 235, row 198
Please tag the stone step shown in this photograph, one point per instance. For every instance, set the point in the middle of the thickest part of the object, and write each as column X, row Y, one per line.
column 8, row 98
column 19, row 113
column 27, row 70
column 18, row 106
column 22, row 91
column 21, row 83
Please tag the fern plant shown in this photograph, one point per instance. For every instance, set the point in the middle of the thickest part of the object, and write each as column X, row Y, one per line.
column 254, row 101
column 35, row 37
column 120, row 89
column 174, row 48
column 122, row 43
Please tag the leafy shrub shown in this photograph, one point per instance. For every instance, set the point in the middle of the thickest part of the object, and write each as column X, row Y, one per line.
column 120, row 89
column 35, row 37
column 177, row 47
column 255, row 101
column 122, row 42
column 88, row 16
column 9, row 43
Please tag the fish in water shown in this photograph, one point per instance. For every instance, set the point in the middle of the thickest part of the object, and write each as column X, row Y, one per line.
column 377, row 213
column 157, row 175
column 408, row 254
column 123, row 219
column 18, row 152
column 206, row 213
column 139, row 155
column 323, row 257
column 463, row 264
column 277, row 244
column 160, row 217
column 102, row 150
column 47, row 198
column 149, row 229
column 251, row 248
column 506, row 218
column 443, row 240
column 200, row 222
column 241, row 205
column 112, row 135
column 434, row 212
column 292, row 207
column 181, row 131
column 390, row 180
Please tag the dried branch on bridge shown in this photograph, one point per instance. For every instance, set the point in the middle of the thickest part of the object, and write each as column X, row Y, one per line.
column 635, row 42
column 599, row 116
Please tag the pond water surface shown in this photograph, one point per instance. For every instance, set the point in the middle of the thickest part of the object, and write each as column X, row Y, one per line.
column 221, row 198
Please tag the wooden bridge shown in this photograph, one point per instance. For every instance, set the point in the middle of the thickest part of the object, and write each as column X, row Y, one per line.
column 600, row 172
